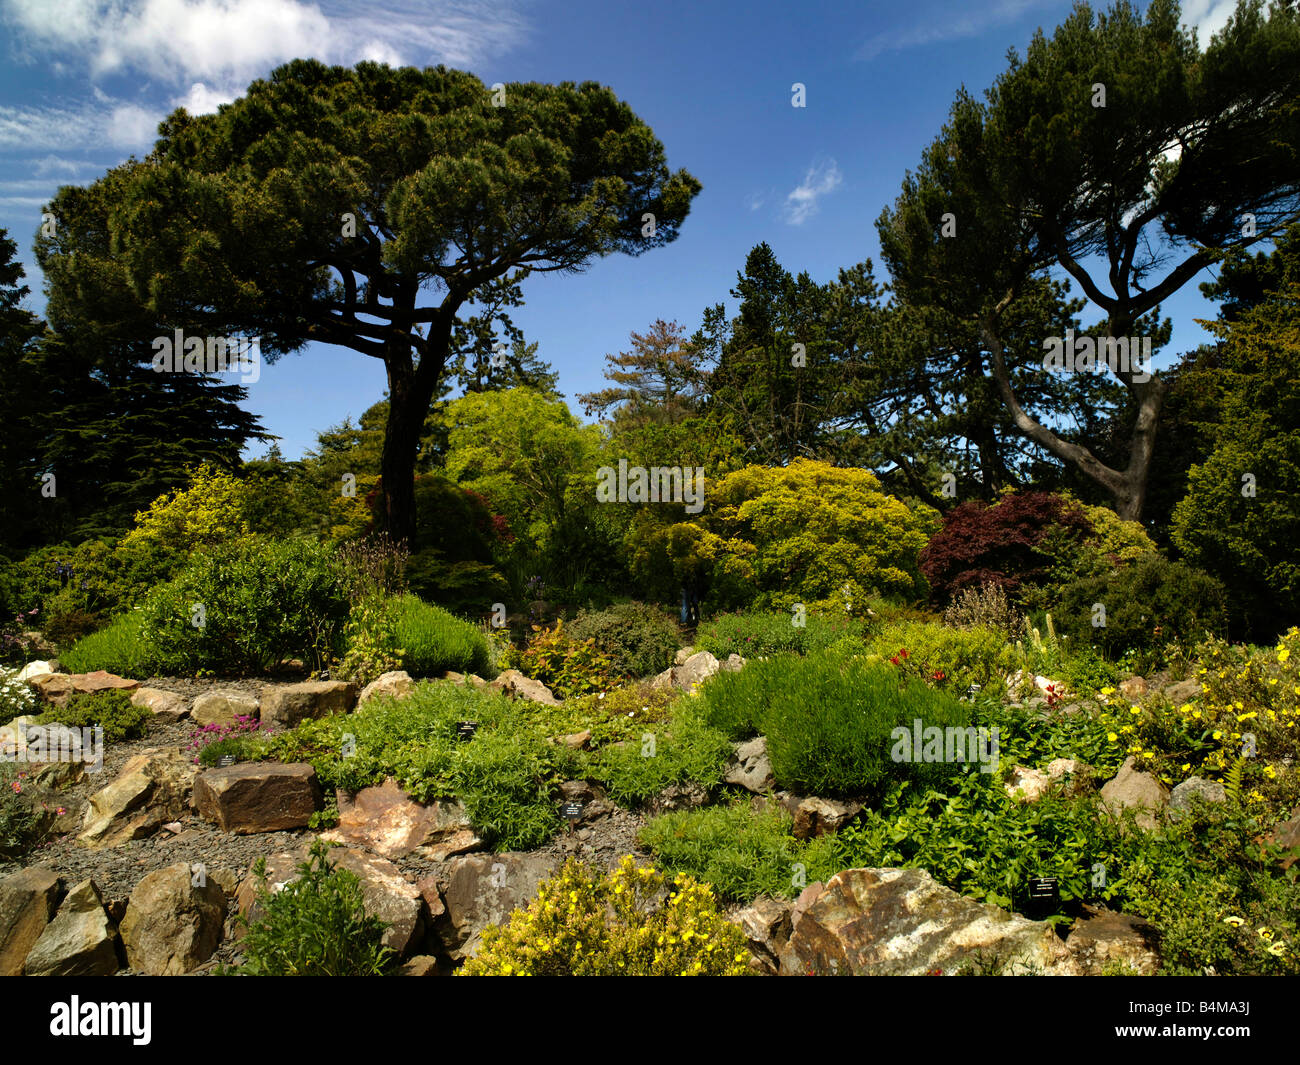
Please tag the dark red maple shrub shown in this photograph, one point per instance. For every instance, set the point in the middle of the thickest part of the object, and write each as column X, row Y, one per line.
column 994, row 544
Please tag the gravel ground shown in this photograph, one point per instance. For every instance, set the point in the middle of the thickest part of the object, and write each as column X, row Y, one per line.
column 116, row 871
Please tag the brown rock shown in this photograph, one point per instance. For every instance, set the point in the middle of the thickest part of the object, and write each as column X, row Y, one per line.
column 172, row 926
column 396, row 684
column 431, row 891
column 258, row 796
column 28, row 899
column 171, row 706
column 80, row 941
column 766, row 924
column 1103, row 938
column 484, row 889
column 1134, row 689
column 224, row 707
column 576, row 741
column 387, row 821
column 514, row 684
column 901, row 922
column 152, row 788
column 818, row 817
column 1131, row 789
column 1287, row 836
column 284, row 707
column 420, row 965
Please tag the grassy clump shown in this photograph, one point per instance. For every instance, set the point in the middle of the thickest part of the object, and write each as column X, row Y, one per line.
column 775, row 632
column 113, row 710
column 119, row 648
column 433, row 641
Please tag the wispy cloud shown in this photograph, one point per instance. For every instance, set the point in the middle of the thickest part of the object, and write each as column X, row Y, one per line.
column 99, row 123
column 957, row 22
column 1208, row 16
column 801, row 203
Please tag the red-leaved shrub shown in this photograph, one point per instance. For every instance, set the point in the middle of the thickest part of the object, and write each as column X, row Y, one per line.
column 994, row 544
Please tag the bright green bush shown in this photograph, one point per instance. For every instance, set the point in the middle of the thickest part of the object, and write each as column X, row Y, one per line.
column 640, row 639
column 686, row 751
column 754, row 634
column 829, row 728
column 948, row 658
column 113, row 710
column 245, row 607
column 735, row 701
column 743, row 853
column 370, row 638
column 1148, row 604
column 630, row 922
column 316, row 925
column 433, row 641
column 505, row 775
column 119, row 648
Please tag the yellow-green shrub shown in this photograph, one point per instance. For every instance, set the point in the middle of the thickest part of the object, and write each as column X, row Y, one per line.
column 631, row 922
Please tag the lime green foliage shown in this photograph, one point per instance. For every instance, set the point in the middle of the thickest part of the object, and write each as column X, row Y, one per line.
column 113, row 710
column 432, row 641
column 505, row 775
column 753, row 634
column 686, row 751
column 631, row 922
column 620, row 714
column 119, row 648
column 263, row 601
column 829, row 727
column 567, row 666
column 370, row 637
column 803, row 533
column 742, row 852
column 214, row 509
column 316, row 925
column 960, row 657
column 640, row 639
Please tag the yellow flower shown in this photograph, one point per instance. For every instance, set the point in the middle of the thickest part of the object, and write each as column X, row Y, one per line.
column 1283, row 655
column 1236, row 922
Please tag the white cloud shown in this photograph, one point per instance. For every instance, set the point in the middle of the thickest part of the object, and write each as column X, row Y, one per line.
column 227, row 43
column 100, row 124
column 202, row 100
column 801, row 204
column 958, row 22
column 53, row 164
column 1208, row 16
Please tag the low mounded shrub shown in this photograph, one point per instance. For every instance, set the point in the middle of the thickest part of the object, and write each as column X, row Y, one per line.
column 1147, row 605
column 567, row 666
column 248, row 606
column 948, row 658
column 751, row 635
column 433, row 641
column 830, row 728
column 588, row 923
column 735, row 701
column 112, row 710
column 640, row 639
column 119, row 648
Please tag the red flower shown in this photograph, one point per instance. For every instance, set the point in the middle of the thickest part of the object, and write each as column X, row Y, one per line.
column 903, row 652
column 938, row 674
column 894, row 659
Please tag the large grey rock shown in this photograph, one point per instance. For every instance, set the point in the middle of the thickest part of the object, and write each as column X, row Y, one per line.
column 80, row 941
column 694, row 671
column 396, row 684
column 28, row 899
column 900, row 922
column 514, row 684
column 390, row 823
column 172, row 925
column 224, row 707
column 1067, row 776
column 1194, row 788
column 1135, row 790
column 749, row 767
column 484, row 889
column 152, row 788
column 258, row 796
column 287, row 705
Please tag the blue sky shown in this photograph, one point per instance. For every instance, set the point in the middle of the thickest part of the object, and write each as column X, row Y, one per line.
column 85, row 82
